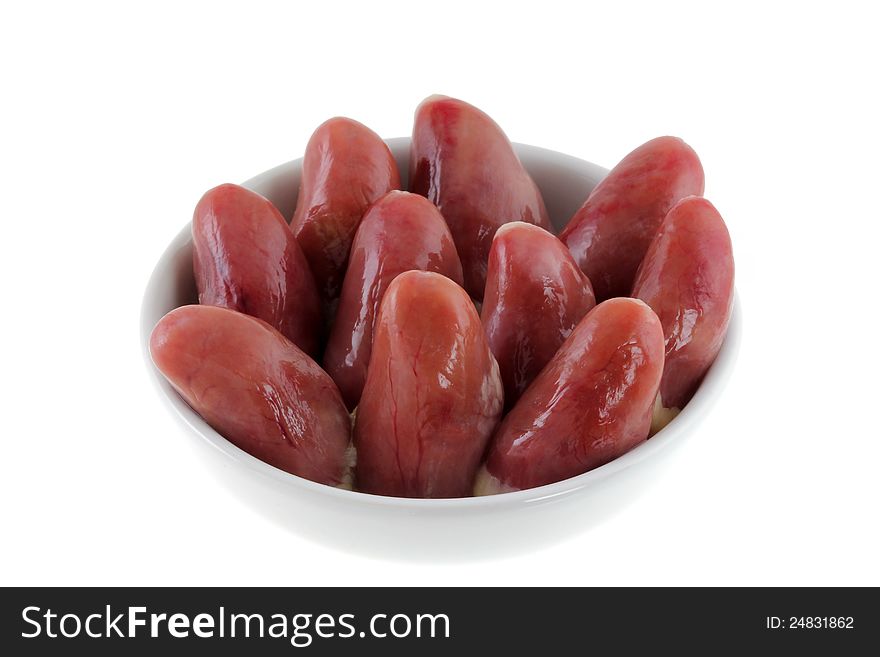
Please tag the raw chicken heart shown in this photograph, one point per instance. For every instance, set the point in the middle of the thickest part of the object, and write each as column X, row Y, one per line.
column 591, row 404
column 535, row 296
column 346, row 167
column 611, row 232
column 687, row 279
column 433, row 395
column 399, row 232
column 256, row 388
column 245, row 259
column 463, row 163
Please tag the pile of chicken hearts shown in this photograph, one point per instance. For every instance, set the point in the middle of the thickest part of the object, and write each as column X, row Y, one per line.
column 443, row 342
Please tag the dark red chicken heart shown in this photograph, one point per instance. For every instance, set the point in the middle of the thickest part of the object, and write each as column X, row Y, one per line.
column 463, row 163
column 592, row 403
column 245, row 259
column 535, row 296
column 399, row 232
column 433, row 395
column 256, row 388
column 687, row 279
column 611, row 232
column 346, row 167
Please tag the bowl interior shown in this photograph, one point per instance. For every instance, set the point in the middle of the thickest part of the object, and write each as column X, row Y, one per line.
column 565, row 183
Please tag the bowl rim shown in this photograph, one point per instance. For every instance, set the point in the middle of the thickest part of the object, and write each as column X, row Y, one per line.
column 677, row 430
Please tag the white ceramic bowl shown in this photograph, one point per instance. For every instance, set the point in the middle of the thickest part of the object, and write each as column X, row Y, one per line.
column 452, row 529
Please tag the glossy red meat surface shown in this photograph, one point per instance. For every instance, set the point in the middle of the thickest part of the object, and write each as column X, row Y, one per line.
column 609, row 235
column 535, row 296
column 592, row 403
column 687, row 279
column 256, row 388
column 245, row 259
column 346, row 168
column 400, row 232
column 463, row 163
column 433, row 395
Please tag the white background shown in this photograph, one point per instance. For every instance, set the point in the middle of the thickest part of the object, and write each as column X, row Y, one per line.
column 116, row 119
